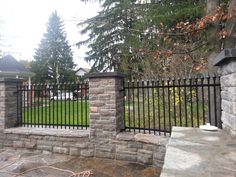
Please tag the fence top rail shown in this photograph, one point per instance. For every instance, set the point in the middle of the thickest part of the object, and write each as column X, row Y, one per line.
column 197, row 77
column 191, row 82
column 55, row 84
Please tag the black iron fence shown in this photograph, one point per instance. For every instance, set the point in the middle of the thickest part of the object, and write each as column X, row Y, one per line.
column 51, row 105
column 156, row 106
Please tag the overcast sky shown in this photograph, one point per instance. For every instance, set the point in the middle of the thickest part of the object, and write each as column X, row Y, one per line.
column 23, row 22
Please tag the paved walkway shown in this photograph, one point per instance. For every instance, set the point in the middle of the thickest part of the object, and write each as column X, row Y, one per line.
column 32, row 164
column 193, row 152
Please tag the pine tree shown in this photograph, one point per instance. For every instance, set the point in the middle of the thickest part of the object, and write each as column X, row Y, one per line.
column 124, row 28
column 109, row 35
column 53, row 58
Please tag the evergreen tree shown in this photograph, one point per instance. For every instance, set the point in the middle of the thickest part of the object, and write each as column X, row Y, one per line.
column 124, row 28
column 53, row 58
column 109, row 36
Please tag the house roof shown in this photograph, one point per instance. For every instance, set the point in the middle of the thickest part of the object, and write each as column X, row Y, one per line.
column 10, row 66
column 84, row 69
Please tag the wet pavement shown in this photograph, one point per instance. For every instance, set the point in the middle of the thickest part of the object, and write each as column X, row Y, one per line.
column 34, row 164
column 194, row 152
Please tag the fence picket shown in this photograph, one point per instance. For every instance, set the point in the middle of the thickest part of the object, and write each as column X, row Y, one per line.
column 53, row 106
column 168, row 102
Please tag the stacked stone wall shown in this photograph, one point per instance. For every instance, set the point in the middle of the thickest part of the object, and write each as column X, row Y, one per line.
column 146, row 149
column 8, row 100
column 104, row 138
column 226, row 61
column 228, row 95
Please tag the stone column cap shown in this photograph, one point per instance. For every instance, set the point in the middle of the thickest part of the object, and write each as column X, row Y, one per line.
column 105, row 75
column 225, row 56
column 10, row 80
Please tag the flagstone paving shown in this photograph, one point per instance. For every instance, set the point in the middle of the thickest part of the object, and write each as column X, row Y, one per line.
column 13, row 163
column 193, row 152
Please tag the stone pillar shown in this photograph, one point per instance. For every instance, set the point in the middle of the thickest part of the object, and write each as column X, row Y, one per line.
column 106, row 98
column 226, row 60
column 8, row 102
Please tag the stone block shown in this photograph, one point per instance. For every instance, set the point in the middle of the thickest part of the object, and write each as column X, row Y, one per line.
column 8, row 143
column 97, row 103
column 159, row 156
column 228, row 96
column 44, row 147
column 94, row 116
column 229, row 107
column 231, row 89
column 35, row 137
column 12, row 137
column 110, row 89
column 145, row 156
column 18, row 144
column 93, row 109
column 102, row 154
column 132, row 153
column 110, row 120
column 74, row 151
column 105, row 148
column 126, row 157
column 147, row 138
column 97, row 90
column 47, row 142
column 108, row 112
column 60, row 150
column 103, row 134
column 229, row 120
column 125, row 136
column 2, row 136
column 228, row 80
column 119, row 142
column 104, row 97
column 51, row 138
column 87, row 152
column 30, row 145
column 158, row 163
column 225, row 95
column 77, row 144
column 133, row 144
column 229, row 130
column 47, row 152
column 228, row 68
column 149, row 147
column 126, row 148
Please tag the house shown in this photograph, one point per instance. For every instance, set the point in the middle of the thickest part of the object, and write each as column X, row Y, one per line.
column 11, row 68
column 82, row 71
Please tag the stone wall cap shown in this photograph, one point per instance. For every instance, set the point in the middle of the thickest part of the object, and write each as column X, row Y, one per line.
column 105, row 75
column 125, row 136
column 70, row 133
column 10, row 80
column 151, row 139
column 225, row 56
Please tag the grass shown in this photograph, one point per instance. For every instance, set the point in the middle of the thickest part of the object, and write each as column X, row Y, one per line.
column 57, row 112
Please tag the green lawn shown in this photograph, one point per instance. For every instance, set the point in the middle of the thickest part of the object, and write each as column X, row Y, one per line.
column 57, row 112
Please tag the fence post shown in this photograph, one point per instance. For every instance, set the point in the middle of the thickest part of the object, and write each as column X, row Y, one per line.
column 226, row 60
column 106, row 110
column 8, row 102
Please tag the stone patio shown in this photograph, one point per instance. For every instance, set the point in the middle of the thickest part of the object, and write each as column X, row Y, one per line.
column 193, row 152
column 13, row 163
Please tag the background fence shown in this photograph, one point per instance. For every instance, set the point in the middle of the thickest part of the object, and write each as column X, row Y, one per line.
column 155, row 106
column 51, row 105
